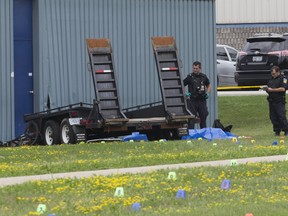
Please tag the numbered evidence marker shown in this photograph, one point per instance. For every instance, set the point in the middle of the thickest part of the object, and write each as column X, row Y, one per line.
column 172, row 175
column 233, row 163
column 41, row 208
column 181, row 194
column 119, row 192
column 226, row 184
column 136, row 206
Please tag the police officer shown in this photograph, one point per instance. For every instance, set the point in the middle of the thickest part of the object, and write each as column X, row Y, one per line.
column 276, row 89
column 198, row 91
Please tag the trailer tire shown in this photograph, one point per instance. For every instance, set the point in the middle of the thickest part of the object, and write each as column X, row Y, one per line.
column 32, row 133
column 51, row 133
column 67, row 134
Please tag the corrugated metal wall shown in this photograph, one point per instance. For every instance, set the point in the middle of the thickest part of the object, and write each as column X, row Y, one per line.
column 251, row 11
column 6, row 67
column 61, row 27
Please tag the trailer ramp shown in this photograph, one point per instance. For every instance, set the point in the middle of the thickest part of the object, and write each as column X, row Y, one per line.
column 169, row 74
column 105, row 86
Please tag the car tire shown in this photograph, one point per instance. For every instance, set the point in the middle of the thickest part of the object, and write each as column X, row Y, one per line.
column 67, row 134
column 51, row 133
column 32, row 133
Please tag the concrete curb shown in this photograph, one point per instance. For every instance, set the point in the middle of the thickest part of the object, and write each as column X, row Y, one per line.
column 133, row 170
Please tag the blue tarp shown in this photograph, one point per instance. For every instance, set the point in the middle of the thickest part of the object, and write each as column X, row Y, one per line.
column 135, row 136
column 209, row 134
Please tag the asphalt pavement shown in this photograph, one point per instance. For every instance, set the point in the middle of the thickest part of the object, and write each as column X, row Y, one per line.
column 133, row 170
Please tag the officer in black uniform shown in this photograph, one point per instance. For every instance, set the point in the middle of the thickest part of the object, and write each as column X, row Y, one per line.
column 198, row 90
column 276, row 89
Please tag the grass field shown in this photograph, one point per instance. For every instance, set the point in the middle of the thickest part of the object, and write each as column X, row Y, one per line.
column 248, row 115
column 257, row 188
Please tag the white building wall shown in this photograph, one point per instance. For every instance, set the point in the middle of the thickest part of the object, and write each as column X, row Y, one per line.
column 251, row 11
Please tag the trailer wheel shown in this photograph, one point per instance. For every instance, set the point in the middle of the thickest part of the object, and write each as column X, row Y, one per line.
column 67, row 134
column 32, row 133
column 51, row 133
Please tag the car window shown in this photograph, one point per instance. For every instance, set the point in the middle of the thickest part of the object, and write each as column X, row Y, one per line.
column 232, row 53
column 264, row 46
column 221, row 54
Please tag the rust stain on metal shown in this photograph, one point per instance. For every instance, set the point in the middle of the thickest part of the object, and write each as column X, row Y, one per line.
column 98, row 43
column 162, row 41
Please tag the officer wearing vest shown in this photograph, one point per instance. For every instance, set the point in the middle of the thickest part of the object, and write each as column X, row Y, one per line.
column 198, row 92
column 276, row 89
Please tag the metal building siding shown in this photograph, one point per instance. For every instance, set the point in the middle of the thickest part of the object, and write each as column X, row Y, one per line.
column 6, row 67
column 251, row 11
column 62, row 26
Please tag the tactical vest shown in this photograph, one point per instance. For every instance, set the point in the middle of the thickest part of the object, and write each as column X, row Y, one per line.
column 197, row 86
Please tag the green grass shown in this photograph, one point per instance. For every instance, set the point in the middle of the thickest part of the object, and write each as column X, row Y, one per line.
column 248, row 114
column 68, row 158
column 257, row 188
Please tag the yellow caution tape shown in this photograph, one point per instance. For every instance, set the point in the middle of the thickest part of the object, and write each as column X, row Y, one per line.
column 237, row 87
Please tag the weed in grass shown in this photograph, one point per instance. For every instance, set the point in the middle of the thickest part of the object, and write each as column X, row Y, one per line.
column 67, row 158
column 259, row 188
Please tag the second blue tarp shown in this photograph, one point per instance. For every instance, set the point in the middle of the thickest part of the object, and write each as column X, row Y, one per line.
column 209, row 134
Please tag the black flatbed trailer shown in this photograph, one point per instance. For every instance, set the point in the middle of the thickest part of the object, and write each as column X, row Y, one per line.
column 104, row 118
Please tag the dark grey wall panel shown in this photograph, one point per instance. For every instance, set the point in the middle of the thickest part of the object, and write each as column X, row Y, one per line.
column 61, row 27
column 6, row 71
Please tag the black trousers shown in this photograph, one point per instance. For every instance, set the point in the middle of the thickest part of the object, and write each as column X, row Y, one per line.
column 198, row 107
column 277, row 113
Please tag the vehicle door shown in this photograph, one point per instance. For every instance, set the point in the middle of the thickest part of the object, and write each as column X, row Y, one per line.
column 226, row 58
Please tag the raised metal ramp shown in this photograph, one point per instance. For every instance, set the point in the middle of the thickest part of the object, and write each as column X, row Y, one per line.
column 171, row 85
column 104, row 81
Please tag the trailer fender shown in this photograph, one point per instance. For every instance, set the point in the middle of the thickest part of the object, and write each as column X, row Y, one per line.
column 78, row 132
